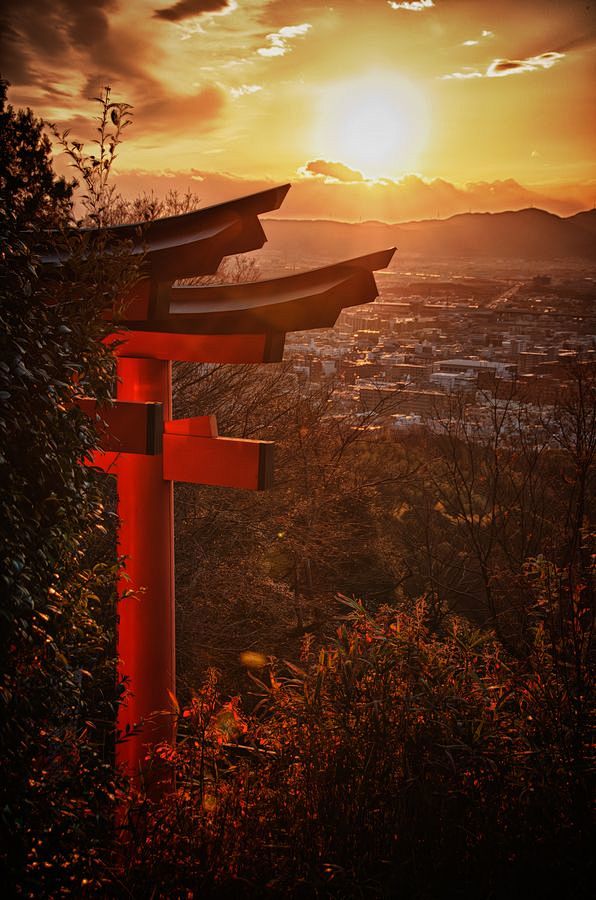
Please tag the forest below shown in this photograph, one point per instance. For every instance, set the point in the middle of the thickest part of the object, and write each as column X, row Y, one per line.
column 385, row 662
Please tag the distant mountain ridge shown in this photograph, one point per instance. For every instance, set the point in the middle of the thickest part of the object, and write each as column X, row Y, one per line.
column 526, row 233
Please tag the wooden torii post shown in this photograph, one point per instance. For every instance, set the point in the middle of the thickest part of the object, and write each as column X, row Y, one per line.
column 148, row 450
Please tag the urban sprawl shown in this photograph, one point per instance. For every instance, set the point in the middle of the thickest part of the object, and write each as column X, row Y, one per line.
column 431, row 340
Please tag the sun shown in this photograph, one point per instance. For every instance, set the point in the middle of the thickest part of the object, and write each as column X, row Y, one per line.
column 376, row 123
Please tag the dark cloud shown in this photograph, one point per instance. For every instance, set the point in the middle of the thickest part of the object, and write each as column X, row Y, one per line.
column 187, row 9
column 162, row 115
column 89, row 23
column 501, row 67
column 46, row 41
column 337, row 170
column 181, row 114
column 40, row 31
column 505, row 65
column 15, row 63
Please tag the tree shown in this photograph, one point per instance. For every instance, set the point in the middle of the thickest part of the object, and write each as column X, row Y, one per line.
column 56, row 644
column 95, row 169
column 255, row 572
column 32, row 196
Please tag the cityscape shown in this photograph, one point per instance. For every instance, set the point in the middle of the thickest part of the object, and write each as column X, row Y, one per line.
column 445, row 330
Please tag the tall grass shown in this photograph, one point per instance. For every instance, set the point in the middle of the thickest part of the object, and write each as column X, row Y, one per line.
column 393, row 762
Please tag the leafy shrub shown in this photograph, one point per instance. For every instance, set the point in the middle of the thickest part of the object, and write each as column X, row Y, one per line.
column 56, row 641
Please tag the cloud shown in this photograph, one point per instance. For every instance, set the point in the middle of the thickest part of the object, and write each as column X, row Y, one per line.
column 335, row 171
column 41, row 30
column 466, row 72
column 500, row 67
column 65, row 51
column 473, row 42
column 278, row 42
column 161, row 114
column 188, row 9
column 411, row 197
column 16, row 62
column 275, row 50
column 245, row 89
column 179, row 114
column 413, row 6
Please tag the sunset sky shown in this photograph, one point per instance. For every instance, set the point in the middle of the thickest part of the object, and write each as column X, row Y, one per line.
column 373, row 109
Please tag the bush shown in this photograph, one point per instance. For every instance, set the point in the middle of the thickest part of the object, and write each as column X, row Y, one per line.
column 395, row 762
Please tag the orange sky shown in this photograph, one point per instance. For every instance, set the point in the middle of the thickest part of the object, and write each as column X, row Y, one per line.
column 373, row 109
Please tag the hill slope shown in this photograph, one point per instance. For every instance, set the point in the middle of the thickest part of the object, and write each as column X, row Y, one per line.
column 526, row 233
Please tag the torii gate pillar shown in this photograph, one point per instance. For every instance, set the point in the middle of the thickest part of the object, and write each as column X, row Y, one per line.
column 148, row 451
column 146, row 633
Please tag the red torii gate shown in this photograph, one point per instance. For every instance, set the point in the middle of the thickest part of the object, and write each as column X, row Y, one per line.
column 148, row 450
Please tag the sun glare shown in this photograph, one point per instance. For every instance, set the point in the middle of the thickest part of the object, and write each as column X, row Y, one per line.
column 377, row 124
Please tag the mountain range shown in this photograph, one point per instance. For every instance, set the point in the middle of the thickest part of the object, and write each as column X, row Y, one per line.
column 526, row 233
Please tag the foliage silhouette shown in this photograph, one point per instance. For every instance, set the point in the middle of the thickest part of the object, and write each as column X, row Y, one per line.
column 56, row 641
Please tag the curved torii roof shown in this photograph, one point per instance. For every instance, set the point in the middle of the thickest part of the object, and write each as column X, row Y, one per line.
column 193, row 243
column 311, row 299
